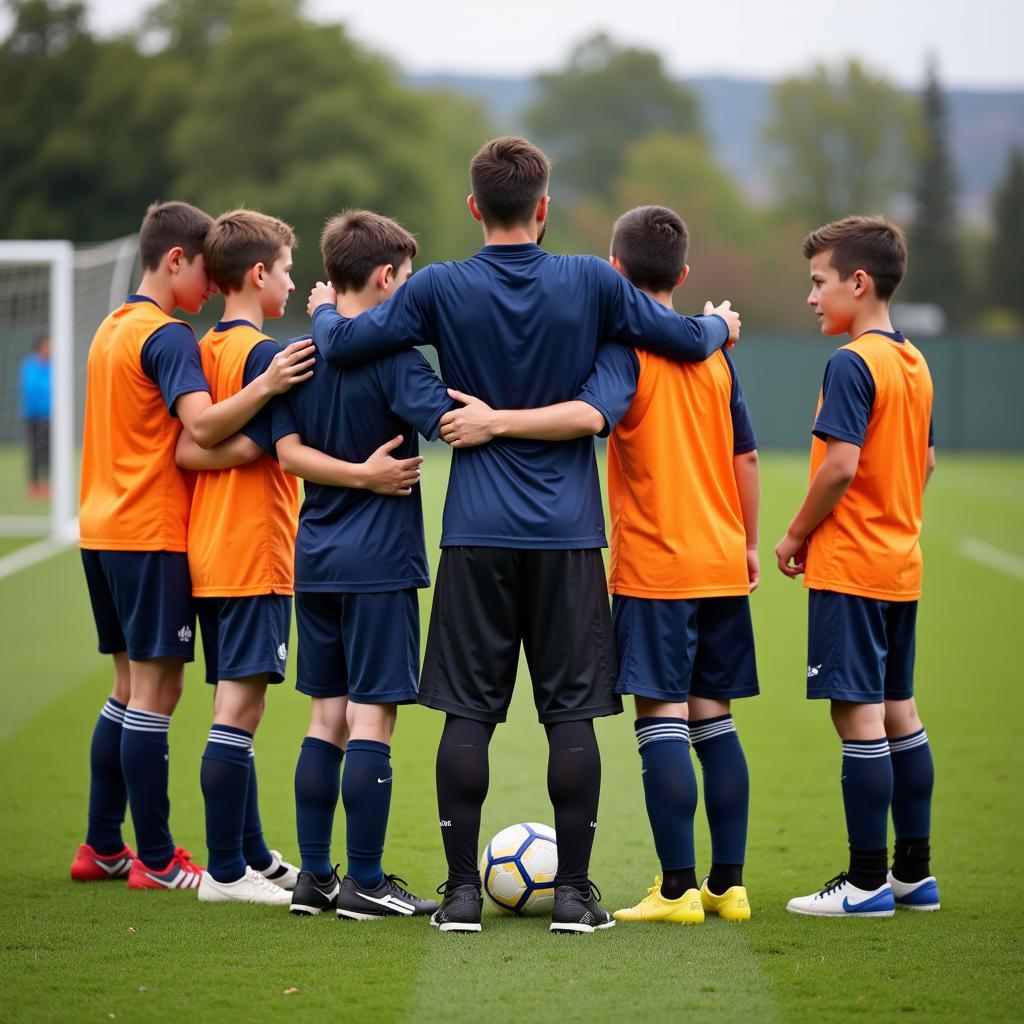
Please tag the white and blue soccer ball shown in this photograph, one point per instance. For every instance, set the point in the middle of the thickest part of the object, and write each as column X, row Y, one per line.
column 518, row 869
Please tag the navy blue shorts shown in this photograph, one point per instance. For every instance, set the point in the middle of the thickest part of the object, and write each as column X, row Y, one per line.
column 859, row 648
column 697, row 647
column 142, row 603
column 245, row 636
column 362, row 646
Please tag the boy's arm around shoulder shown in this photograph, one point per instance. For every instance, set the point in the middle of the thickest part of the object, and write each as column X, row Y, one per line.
column 402, row 322
column 237, row 450
column 380, row 473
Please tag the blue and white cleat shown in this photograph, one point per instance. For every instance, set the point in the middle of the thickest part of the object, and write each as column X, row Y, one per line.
column 841, row 898
column 923, row 895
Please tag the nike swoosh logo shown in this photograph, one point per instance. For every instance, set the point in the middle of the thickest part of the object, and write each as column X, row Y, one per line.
column 384, row 780
column 388, row 901
column 880, row 901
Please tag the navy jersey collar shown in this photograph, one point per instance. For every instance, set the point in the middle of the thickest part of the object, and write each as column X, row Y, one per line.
column 140, row 298
column 896, row 336
column 513, row 249
column 225, row 325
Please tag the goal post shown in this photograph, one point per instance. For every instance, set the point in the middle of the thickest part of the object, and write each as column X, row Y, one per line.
column 56, row 289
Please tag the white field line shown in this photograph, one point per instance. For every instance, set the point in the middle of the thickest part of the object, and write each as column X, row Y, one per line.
column 994, row 558
column 31, row 555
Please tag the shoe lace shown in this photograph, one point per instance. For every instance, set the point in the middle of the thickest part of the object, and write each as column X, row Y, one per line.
column 595, row 892
column 182, row 856
column 834, row 883
column 400, row 884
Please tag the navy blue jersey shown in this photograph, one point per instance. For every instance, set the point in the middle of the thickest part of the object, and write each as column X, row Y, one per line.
column 170, row 358
column 352, row 541
column 519, row 328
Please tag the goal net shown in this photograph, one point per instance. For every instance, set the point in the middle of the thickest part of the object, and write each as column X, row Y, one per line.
column 53, row 296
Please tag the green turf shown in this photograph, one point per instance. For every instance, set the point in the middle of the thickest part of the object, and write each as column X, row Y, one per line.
column 100, row 953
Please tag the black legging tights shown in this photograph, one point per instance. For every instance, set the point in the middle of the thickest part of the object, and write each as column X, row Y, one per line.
column 574, row 785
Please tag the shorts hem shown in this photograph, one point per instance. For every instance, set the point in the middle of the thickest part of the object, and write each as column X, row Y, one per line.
column 452, row 708
column 754, row 691
column 581, row 714
column 385, row 698
column 849, row 696
column 158, row 652
column 632, row 690
column 242, row 672
column 112, row 649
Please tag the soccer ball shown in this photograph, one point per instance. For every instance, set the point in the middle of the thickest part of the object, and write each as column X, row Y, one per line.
column 518, row 869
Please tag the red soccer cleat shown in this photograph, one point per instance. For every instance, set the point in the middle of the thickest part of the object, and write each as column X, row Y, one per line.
column 90, row 866
column 181, row 873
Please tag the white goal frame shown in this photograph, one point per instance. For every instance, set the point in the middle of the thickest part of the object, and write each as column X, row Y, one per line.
column 60, row 257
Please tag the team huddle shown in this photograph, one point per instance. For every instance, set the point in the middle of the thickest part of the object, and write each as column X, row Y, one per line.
column 190, row 510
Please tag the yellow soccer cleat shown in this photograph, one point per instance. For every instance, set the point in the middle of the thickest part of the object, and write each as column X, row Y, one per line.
column 654, row 907
column 732, row 905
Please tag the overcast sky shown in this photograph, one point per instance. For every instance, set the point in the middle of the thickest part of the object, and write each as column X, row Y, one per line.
column 977, row 43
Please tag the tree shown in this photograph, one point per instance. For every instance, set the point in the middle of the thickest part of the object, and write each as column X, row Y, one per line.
column 607, row 97
column 842, row 141
column 935, row 266
column 1006, row 268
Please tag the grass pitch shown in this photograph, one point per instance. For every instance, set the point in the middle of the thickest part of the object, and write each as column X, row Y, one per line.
column 100, row 953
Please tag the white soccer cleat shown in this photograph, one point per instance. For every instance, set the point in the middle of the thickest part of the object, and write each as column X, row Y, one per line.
column 280, row 872
column 923, row 895
column 841, row 898
column 252, row 887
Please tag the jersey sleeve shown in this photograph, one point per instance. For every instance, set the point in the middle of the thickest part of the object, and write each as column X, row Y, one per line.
column 630, row 317
column 612, row 384
column 847, row 395
column 931, row 431
column 260, row 427
column 170, row 358
column 743, row 437
column 414, row 392
column 282, row 417
column 402, row 322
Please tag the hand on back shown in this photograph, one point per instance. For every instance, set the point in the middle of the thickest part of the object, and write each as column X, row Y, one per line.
column 471, row 425
column 291, row 366
column 390, row 476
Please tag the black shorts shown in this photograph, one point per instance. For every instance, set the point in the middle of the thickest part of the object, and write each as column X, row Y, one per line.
column 489, row 600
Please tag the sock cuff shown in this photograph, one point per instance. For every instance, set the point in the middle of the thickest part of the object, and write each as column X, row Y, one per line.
column 114, row 711
column 866, row 749
column 711, row 728
column 905, row 743
column 145, row 721
column 229, row 736
column 314, row 743
column 661, row 730
column 369, row 746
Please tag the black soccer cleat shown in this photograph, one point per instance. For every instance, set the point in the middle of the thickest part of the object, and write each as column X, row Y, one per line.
column 389, row 899
column 460, row 910
column 579, row 911
column 310, row 897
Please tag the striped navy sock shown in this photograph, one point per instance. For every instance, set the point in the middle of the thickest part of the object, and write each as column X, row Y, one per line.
column 913, row 778
column 108, row 796
column 254, row 847
column 726, row 797
column 224, row 778
column 145, row 761
column 670, row 791
column 867, row 794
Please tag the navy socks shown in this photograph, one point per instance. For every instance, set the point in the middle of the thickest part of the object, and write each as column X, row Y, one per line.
column 317, row 788
column 726, row 797
column 670, row 790
column 913, row 776
column 366, row 793
column 108, row 795
column 224, row 778
column 867, row 782
column 144, row 763
column 254, row 848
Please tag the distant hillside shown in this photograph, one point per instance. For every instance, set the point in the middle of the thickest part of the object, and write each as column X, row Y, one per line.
column 983, row 127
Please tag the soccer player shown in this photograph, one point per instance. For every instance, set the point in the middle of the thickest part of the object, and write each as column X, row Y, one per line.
column 855, row 538
column 241, row 545
column 683, row 489
column 523, row 524
column 144, row 380
column 360, row 557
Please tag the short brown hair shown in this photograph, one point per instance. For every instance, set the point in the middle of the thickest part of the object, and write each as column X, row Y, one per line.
column 167, row 225
column 238, row 240
column 356, row 242
column 508, row 176
column 872, row 244
column 651, row 242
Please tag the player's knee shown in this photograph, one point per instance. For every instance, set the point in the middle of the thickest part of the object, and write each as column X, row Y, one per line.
column 901, row 718
column 855, row 721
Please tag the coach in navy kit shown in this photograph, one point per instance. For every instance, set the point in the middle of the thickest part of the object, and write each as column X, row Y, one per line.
column 523, row 522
